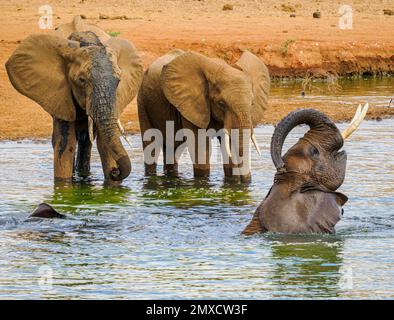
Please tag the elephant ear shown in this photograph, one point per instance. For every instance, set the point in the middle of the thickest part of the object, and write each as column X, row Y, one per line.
column 185, row 85
column 340, row 198
column 130, row 65
column 79, row 25
column 37, row 69
column 259, row 75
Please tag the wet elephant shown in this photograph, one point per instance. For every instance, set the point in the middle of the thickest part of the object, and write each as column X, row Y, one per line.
column 84, row 79
column 196, row 92
column 303, row 198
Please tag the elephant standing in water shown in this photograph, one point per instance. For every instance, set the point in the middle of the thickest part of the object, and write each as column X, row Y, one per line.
column 84, row 79
column 196, row 92
column 303, row 198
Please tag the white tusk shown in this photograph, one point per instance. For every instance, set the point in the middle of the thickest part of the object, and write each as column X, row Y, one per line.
column 254, row 140
column 120, row 127
column 90, row 128
column 357, row 114
column 356, row 121
column 123, row 133
column 227, row 143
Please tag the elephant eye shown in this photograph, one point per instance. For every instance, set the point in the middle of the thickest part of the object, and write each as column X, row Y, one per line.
column 221, row 104
column 314, row 152
column 81, row 81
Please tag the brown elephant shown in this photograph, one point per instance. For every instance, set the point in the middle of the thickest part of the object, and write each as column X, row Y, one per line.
column 197, row 92
column 84, row 79
column 303, row 198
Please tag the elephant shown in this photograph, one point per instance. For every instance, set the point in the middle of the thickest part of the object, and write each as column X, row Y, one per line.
column 84, row 79
column 46, row 211
column 197, row 92
column 303, row 198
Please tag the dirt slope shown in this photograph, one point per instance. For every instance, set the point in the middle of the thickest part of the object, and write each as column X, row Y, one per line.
column 290, row 46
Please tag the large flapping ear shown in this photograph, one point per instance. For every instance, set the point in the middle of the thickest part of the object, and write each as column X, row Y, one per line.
column 37, row 69
column 259, row 75
column 254, row 226
column 130, row 65
column 79, row 25
column 340, row 198
column 185, row 85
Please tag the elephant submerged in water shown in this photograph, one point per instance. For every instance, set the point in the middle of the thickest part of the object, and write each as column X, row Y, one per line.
column 46, row 211
column 303, row 198
column 84, row 79
column 195, row 92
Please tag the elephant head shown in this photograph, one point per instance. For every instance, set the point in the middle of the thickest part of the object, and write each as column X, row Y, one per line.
column 63, row 75
column 316, row 156
column 303, row 197
column 206, row 90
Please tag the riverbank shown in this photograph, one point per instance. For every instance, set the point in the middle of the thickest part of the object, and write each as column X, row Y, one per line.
column 39, row 124
column 283, row 34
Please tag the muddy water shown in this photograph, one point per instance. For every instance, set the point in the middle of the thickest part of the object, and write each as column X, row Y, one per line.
column 181, row 238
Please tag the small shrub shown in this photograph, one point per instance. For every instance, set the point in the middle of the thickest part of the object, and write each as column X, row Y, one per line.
column 287, row 8
column 113, row 33
column 227, row 7
column 285, row 46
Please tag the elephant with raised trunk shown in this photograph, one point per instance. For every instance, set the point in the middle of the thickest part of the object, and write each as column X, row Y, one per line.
column 303, row 198
column 84, row 79
column 196, row 92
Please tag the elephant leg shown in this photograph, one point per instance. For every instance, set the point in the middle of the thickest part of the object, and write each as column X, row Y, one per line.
column 170, row 169
column 228, row 167
column 150, row 168
column 201, row 165
column 84, row 149
column 145, row 124
column 64, row 144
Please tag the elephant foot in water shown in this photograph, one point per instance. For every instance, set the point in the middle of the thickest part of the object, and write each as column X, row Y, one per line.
column 44, row 210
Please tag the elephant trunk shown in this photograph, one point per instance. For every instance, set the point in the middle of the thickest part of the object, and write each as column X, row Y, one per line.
column 322, row 130
column 109, row 131
column 105, row 117
column 243, row 125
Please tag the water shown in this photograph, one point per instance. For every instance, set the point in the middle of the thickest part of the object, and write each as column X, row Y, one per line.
column 163, row 237
column 377, row 91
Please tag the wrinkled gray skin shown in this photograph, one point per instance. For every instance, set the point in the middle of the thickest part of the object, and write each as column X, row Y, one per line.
column 87, row 74
column 102, row 109
column 197, row 92
column 303, row 197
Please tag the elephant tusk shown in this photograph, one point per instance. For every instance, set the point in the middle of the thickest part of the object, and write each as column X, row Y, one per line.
column 90, row 128
column 254, row 140
column 123, row 133
column 356, row 115
column 356, row 121
column 120, row 127
column 227, row 143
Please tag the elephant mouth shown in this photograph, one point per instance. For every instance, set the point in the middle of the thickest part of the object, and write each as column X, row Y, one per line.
column 341, row 155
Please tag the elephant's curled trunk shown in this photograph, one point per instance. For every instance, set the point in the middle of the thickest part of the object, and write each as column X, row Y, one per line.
column 319, row 124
